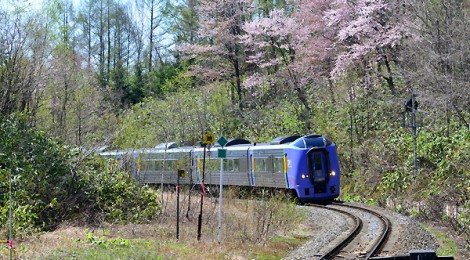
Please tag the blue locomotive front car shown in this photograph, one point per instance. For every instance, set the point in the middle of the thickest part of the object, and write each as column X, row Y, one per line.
column 313, row 169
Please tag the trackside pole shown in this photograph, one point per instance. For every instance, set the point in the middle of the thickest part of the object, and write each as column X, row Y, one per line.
column 411, row 106
column 181, row 173
column 208, row 140
column 219, row 235
column 10, row 220
column 199, row 222
column 178, row 205
column 413, row 127
column 221, row 153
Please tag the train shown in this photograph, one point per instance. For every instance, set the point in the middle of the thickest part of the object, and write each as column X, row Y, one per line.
column 306, row 165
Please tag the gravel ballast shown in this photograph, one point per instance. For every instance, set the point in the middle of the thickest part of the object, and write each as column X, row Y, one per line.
column 324, row 227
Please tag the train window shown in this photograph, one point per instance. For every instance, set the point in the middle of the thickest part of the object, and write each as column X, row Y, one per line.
column 261, row 165
column 319, row 176
column 147, row 156
column 242, row 165
column 170, row 165
column 147, row 165
column 228, row 165
column 236, row 165
column 159, row 165
column 231, row 165
column 278, row 165
column 183, row 163
column 211, row 165
column 151, row 165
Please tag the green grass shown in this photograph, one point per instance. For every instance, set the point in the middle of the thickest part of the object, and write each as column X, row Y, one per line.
column 156, row 240
column 284, row 244
column 447, row 247
column 293, row 240
column 136, row 249
column 277, row 248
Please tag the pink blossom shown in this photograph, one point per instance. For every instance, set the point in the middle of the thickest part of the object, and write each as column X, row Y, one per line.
column 362, row 29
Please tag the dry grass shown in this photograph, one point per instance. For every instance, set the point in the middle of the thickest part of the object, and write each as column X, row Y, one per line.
column 251, row 229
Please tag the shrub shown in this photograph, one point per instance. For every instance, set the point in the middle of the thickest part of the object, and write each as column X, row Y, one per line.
column 52, row 183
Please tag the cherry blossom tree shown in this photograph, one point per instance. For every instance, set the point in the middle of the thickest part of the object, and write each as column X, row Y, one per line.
column 436, row 58
column 290, row 49
column 367, row 31
column 219, row 54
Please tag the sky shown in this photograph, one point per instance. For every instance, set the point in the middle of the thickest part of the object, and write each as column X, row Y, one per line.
column 37, row 3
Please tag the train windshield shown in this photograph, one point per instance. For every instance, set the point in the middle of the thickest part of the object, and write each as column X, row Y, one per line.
column 317, row 164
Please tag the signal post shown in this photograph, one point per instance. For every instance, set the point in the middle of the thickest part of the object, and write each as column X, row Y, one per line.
column 208, row 140
column 411, row 107
column 222, row 153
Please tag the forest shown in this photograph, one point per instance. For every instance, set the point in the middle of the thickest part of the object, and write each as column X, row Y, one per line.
column 132, row 74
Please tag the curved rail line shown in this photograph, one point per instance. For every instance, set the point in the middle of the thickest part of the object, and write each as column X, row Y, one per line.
column 358, row 226
column 387, row 228
column 352, row 234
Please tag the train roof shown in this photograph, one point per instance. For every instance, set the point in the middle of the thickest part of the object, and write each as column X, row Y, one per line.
column 311, row 141
column 283, row 142
column 235, row 141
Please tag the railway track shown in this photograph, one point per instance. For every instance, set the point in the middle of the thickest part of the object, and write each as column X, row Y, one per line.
column 365, row 239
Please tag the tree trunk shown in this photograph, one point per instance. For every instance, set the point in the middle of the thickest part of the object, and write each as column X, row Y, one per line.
column 389, row 78
column 238, row 82
column 109, row 41
column 101, row 52
column 151, row 35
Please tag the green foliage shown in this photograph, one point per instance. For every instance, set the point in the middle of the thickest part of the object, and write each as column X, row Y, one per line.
column 37, row 169
column 351, row 198
column 154, row 121
column 276, row 214
column 168, row 78
column 358, row 198
column 394, row 183
column 106, row 243
column 182, row 116
column 129, row 87
column 279, row 118
column 222, row 114
column 51, row 183
column 447, row 247
column 102, row 248
column 445, row 161
column 443, row 177
column 113, row 195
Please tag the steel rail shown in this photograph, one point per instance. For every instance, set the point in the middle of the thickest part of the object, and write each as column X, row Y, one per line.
column 354, row 232
column 387, row 227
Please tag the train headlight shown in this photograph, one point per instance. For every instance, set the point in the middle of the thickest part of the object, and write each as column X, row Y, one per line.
column 332, row 173
column 304, row 176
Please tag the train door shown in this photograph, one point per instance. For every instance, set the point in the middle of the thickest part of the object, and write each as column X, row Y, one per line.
column 318, row 170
